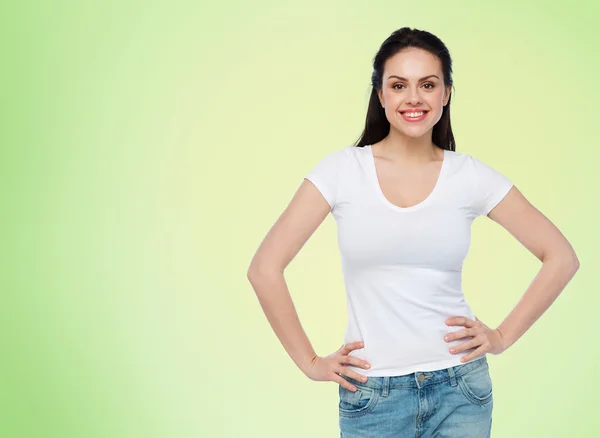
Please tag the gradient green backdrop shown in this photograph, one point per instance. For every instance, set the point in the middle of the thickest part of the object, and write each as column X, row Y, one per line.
column 148, row 147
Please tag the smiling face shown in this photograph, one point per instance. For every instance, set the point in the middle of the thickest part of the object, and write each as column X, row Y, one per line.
column 413, row 82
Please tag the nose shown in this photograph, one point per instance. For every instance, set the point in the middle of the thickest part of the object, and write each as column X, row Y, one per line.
column 413, row 97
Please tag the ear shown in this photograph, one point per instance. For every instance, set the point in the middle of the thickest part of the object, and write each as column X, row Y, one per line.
column 380, row 96
column 447, row 95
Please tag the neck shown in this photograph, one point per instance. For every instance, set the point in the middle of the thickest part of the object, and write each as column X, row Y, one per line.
column 409, row 149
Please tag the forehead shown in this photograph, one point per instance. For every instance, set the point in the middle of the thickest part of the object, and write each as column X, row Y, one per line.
column 412, row 63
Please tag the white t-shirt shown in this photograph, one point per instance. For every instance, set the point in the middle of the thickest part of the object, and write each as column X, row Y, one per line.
column 402, row 267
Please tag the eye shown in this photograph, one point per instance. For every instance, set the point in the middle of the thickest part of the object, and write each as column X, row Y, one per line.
column 427, row 83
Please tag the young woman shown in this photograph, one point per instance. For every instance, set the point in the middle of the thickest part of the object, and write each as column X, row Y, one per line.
column 414, row 359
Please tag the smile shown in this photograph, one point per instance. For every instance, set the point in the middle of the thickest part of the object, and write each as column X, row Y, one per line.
column 414, row 116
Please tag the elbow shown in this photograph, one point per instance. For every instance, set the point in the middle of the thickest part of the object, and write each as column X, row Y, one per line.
column 571, row 263
column 256, row 271
column 253, row 270
column 575, row 263
column 253, row 277
column 566, row 259
column 252, row 273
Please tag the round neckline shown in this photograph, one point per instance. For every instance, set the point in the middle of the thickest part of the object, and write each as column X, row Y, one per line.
column 423, row 203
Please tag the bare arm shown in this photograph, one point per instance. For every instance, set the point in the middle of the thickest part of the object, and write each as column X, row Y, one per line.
column 559, row 261
column 305, row 212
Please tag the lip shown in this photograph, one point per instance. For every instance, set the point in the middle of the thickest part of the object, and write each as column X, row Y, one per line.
column 414, row 120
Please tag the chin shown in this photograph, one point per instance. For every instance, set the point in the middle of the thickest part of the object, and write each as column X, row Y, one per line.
column 413, row 133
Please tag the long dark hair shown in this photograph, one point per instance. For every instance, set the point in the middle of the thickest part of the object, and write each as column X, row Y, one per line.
column 377, row 125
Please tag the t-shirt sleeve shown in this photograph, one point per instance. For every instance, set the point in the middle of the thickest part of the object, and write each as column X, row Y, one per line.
column 491, row 187
column 325, row 176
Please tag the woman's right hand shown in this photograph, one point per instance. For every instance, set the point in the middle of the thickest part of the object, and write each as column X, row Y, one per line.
column 330, row 367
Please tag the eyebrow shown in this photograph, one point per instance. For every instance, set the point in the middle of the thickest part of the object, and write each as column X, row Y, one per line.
column 404, row 79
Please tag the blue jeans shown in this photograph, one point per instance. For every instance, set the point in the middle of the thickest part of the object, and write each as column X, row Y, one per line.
column 453, row 402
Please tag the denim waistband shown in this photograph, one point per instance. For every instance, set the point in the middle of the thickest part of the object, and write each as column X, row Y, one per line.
column 419, row 379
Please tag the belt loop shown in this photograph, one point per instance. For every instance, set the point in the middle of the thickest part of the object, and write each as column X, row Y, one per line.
column 453, row 381
column 386, row 386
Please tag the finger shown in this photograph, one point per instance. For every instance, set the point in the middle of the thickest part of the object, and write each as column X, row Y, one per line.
column 459, row 334
column 355, row 361
column 343, row 382
column 460, row 320
column 465, row 346
column 347, row 348
column 352, row 374
column 357, row 376
column 480, row 351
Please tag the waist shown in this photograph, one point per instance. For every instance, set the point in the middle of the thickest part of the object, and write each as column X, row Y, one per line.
column 398, row 341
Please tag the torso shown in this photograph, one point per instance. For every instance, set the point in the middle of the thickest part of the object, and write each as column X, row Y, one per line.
column 406, row 186
column 402, row 250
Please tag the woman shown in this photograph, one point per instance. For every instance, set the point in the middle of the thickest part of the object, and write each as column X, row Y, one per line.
column 414, row 359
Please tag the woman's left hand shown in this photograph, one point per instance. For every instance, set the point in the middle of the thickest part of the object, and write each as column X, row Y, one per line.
column 488, row 340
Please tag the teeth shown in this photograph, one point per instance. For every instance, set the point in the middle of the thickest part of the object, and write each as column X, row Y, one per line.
column 414, row 114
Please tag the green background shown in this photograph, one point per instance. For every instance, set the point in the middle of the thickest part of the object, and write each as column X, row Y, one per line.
column 148, row 147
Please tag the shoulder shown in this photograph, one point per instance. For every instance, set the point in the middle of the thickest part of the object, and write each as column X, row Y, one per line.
column 328, row 173
column 471, row 163
column 337, row 159
column 459, row 157
column 337, row 155
column 458, row 164
column 344, row 153
column 490, row 185
column 482, row 169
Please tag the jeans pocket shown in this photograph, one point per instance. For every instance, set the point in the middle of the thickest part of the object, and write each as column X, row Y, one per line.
column 356, row 403
column 476, row 385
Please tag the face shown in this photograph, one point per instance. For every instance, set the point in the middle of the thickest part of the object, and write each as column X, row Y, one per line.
column 408, row 85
